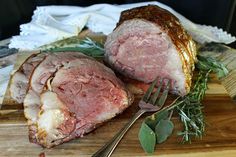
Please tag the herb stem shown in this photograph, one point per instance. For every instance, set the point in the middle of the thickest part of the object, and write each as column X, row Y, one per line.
column 171, row 113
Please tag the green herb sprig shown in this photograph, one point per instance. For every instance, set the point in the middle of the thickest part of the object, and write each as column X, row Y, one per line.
column 87, row 46
column 189, row 109
column 208, row 63
column 156, row 128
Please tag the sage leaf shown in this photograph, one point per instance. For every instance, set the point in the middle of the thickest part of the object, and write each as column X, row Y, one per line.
column 147, row 138
column 153, row 120
column 163, row 130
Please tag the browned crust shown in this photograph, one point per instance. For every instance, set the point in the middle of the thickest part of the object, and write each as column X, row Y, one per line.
column 171, row 25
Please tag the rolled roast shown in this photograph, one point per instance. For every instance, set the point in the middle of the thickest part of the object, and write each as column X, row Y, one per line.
column 149, row 42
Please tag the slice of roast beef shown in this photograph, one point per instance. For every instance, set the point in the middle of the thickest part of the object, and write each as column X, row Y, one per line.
column 49, row 66
column 149, row 42
column 82, row 95
column 39, row 77
column 20, row 79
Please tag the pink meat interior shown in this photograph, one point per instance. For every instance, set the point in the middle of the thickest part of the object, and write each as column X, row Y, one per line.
column 89, row 94
column 144, row 52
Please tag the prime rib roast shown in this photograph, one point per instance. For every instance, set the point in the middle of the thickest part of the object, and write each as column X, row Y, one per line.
column 149, row 42
column 67, row 95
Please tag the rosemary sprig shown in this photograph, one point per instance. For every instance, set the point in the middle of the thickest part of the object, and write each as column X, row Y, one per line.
column 190, row 110
column 208, row 63
column 89, row 43
column 86, row 46
column 67, row 42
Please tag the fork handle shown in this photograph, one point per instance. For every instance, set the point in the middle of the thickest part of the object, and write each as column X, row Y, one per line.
column 107, row 149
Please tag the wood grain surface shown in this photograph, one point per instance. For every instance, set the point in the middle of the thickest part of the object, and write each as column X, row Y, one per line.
column 219, row 140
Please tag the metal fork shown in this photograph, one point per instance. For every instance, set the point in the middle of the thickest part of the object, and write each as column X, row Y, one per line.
column 147, row 104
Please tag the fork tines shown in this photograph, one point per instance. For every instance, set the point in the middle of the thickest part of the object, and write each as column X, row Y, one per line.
column 163, row 84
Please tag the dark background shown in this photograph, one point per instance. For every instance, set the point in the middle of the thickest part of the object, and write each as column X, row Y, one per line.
column 221, row 13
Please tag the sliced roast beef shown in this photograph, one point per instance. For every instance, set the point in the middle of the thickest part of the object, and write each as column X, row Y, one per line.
column 20, row 79
column 49, row 66
column 46, row 69
column 82, row 95
column 149, row 42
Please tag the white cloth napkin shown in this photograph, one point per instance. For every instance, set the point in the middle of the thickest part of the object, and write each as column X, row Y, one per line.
column 52, row 23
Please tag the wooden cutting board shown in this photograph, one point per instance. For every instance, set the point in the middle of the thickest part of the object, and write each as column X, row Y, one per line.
column 219, row 140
